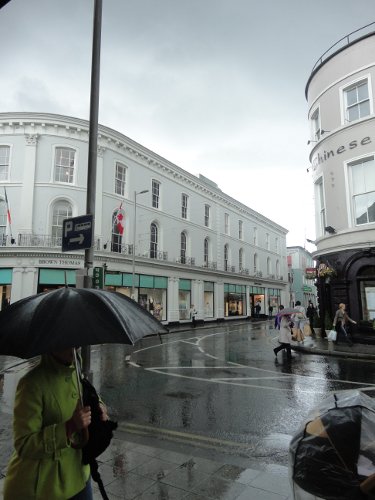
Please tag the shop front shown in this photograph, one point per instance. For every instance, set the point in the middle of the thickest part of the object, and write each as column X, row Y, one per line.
column 234, row 300
column 257, row 301
column 150, row 291
column 5, row 286
column 51, row 279
column 274, row 300
column 208, row 299
column 184, row 299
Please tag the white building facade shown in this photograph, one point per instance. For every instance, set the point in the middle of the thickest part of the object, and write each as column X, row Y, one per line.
column 301, row 273
column 193, row 244
column 340, row 94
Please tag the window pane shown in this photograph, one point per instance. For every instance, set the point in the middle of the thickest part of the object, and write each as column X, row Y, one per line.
column 369, row 175
column 120, row 179
column 353, row 113
column 362, row 92
column 364, row 108
column 351, row 96
column 360, row 207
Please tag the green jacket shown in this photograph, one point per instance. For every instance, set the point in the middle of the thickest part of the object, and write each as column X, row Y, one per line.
column 44, row 465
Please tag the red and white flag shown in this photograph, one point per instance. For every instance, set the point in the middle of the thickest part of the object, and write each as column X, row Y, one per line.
column 119, row 220
column 7, row 204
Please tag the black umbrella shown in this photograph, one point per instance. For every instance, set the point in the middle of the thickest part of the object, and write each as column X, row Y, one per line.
column 332, row 456
column 72, row 317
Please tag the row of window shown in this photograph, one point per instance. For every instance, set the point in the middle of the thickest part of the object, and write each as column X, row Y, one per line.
column 62, row 209
column 355, row 104
column 64, row 172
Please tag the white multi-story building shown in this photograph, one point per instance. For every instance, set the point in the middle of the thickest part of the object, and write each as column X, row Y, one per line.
column 194, row 245
column 340, row 94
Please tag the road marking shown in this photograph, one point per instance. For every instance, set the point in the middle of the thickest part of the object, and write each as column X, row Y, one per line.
column 127, row 426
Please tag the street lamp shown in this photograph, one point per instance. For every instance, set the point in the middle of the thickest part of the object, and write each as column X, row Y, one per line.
column 134, row 237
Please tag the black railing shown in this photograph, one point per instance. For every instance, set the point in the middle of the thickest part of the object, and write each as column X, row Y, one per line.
column 345, row 40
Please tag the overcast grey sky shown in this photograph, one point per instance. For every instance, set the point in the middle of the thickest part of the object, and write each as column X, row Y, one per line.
column 215, row 86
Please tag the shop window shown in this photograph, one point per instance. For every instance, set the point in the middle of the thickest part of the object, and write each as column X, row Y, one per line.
column 208, row 299
column 153, row 241
column 357, row 101
column 64, row 165
column 4, row 162
column 120, row 179
column 155, row 193
column 61, row 210
column 363, row 190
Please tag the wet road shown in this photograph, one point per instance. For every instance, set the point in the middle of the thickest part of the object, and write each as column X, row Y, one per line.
column 218, row 389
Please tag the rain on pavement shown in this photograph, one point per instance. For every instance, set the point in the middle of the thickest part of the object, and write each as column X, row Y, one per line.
column 218, row 389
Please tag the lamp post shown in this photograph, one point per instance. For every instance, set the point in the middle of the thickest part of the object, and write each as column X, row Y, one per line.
column 134, row 237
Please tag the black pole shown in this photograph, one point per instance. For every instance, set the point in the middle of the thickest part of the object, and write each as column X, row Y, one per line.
column 92, row 155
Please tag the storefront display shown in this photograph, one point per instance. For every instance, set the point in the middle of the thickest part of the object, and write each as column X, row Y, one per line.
column 234, row 300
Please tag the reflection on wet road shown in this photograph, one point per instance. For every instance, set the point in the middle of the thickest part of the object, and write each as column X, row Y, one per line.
column 218, row 388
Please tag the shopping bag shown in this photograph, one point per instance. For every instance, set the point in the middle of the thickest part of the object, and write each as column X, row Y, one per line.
column 306, row 330
column 332, row 335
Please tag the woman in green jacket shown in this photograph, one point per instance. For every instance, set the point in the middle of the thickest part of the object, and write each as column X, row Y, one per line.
column 47, row 417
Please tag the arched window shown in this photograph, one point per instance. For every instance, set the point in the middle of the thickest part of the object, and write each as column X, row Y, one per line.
column 118, row 218
column 153, row 241
column 205, row 251
column 61, row 210
column 240, row 259
column 277, row 268
column 256, row 263
column 183, row 248
column 226, row 257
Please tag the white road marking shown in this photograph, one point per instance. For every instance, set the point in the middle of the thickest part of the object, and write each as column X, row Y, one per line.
column 197, row 340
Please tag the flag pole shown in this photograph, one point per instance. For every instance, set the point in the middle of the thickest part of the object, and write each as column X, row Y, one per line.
column 9, row 217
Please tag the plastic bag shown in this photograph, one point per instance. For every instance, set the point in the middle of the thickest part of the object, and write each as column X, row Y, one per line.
column 332, row 336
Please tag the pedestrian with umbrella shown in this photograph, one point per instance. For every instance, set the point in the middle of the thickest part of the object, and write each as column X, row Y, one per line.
column 49, row 414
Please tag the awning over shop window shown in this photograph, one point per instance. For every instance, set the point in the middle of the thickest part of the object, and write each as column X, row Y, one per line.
column 57, row 276
column 6, row 276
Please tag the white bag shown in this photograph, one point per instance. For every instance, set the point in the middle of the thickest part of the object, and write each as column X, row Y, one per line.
column 332, row 336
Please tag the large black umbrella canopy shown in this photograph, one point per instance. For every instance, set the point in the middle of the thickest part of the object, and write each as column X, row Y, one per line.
column 72, row 317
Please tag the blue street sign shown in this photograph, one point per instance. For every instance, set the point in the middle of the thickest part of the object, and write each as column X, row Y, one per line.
column 77, row 233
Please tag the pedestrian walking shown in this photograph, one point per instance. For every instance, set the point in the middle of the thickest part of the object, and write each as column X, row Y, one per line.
column 299, row 320
column 48, row 420
column 285, row 337
column 278, row 318
column 340, row 324
column 310, row 314
column 270, row 311
column 193, row 314
column 258, row 307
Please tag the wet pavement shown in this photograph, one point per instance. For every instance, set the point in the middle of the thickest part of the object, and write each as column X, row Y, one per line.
column 141, row 465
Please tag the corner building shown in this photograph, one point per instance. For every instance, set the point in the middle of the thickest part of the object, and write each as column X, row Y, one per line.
column 340, row 94
column 192, row 244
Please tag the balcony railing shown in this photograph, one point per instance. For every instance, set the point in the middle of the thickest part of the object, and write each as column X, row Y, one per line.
column 189, row 261
column 159, row 255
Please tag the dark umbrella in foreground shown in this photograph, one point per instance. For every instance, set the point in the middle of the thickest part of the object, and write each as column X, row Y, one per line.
column 72, row 317
column 332, row 456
